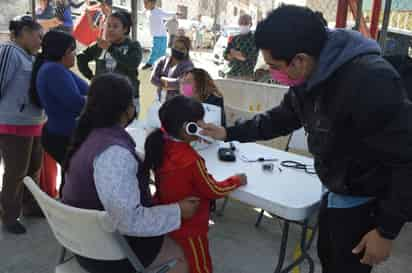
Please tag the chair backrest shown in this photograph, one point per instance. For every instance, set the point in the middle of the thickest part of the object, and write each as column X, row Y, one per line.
column 87, row 233
column 298, row 141
column 248, row 96
column 245, row 99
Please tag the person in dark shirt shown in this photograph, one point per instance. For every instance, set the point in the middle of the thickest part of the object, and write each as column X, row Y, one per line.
column 117, row 53
column 241, row 52
column 355, row 110
column 58, row 90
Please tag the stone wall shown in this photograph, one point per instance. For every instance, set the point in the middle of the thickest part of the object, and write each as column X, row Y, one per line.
column 10, row 9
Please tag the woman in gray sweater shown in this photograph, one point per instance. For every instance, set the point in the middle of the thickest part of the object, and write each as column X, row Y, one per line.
column 20, row 121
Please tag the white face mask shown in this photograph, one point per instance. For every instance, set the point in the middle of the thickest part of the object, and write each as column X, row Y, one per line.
column 244, row 29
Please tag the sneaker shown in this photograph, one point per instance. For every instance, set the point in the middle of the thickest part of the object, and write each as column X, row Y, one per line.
column 147, row 66
column 15, row 228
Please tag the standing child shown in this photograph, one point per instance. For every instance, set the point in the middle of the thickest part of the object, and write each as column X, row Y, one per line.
column 118, row 53
column 180, row 172
column 158, row 30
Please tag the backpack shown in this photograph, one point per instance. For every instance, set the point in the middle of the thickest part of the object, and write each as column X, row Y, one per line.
column 403, row 64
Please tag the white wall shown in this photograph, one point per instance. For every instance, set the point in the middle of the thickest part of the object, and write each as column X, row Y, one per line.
column 291, row 2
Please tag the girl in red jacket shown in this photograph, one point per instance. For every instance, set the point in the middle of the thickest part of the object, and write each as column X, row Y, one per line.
column 180, row 172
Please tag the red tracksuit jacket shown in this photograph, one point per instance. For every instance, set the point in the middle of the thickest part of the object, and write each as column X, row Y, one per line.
column 184, row 174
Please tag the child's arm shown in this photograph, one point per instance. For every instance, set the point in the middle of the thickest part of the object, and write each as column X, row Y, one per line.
column 174, row 83
column 83, row 59
column 156, row 73
column 129, row 61
column 210, row 188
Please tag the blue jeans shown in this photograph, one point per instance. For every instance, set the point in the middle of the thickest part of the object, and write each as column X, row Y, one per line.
column 158, row 50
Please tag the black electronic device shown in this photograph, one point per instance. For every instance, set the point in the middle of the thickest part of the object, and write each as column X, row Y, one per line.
column 226, row 154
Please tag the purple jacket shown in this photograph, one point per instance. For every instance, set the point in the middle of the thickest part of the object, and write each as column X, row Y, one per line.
column 79, row 189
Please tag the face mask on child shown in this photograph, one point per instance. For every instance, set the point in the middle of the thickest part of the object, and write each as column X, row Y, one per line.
column 283, row 78
column 187, row 89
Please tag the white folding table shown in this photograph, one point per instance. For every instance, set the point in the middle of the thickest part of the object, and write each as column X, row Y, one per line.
column 290, row 194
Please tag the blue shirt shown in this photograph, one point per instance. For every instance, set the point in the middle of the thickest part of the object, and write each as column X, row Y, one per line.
column 346, row 201
column 67, row 17
column 62, row 94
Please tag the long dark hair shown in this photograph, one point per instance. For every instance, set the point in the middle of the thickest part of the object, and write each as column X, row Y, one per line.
column 54, row 46
column 109, row 97
column 173, row 114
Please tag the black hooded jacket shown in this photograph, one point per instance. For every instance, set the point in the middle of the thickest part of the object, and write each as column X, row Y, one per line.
column 359, row 125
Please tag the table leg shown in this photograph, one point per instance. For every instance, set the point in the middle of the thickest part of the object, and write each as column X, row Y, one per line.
column 259, row 219
column 61, row 255
column 222, row 209
column 305, row 245
column 283, row 247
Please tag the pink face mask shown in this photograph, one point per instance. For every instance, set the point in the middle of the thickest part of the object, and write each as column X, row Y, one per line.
column 284, row 79
column 187, row 89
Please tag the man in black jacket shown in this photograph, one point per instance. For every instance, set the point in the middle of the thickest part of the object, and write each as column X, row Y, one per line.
column 359, row 123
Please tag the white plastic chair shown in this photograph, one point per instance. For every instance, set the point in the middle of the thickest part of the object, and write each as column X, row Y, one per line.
column 298, row 141
column 87, row 233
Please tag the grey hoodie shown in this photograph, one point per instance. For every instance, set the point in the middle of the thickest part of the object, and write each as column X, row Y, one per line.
column 16, row 107
column 342, row 46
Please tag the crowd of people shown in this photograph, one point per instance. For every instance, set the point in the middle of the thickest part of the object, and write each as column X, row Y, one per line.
column 47, row 108
column 350, row 101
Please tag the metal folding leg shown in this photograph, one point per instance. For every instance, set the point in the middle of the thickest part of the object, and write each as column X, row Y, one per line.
column 224, row 205
column 259, row 219
column 305, row 245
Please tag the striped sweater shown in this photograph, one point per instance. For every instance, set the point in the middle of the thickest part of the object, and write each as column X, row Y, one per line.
column 16, row 108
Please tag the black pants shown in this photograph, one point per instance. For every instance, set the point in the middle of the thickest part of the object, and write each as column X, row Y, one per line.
column 145, row 249
column 340, row 231
column 55, row 145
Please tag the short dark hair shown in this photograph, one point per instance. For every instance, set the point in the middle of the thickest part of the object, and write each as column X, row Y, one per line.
column 19, row 23
column 289, row 30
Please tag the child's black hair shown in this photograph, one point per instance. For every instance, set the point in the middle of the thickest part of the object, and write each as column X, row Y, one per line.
column 173, row 114
column 126, row 19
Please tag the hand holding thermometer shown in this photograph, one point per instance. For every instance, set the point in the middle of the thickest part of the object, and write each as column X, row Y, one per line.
column 193, row 129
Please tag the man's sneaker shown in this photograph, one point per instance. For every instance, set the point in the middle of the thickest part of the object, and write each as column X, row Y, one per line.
column 15, row 228
column 147, row 66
